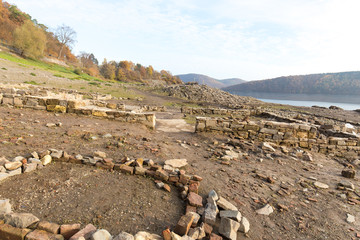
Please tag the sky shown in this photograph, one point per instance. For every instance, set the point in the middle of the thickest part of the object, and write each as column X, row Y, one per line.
column 247, row 39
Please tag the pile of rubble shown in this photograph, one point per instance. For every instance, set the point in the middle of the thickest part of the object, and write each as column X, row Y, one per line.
column 203, row 93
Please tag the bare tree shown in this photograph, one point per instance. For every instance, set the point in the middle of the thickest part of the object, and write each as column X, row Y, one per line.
column 66, row 36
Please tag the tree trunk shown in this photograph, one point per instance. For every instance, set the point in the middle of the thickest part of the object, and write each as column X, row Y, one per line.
column 61, row 49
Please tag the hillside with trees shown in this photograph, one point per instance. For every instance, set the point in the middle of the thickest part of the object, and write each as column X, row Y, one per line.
column 209, row 81
column 343, row 83
column 25, row 36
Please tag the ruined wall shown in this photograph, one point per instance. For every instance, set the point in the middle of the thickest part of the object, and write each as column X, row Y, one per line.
column 219, row 111
column 70, row 103
column 312, row 137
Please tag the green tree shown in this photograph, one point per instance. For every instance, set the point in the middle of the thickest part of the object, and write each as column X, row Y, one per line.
column 30, row 40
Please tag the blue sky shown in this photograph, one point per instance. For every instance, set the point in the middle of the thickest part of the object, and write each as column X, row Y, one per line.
column 248, row 39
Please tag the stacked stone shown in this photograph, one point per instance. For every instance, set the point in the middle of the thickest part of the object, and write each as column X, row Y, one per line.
column 29, row 227
column 284, row 134
column 148, row 108
column 23, row 99
column 220, row 111
column 199, row 222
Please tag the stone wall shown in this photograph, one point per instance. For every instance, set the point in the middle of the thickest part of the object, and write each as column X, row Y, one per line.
column 72, row 103
column 219, row 111
column 324, row 139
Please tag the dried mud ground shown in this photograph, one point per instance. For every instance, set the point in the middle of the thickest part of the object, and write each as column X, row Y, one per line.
column 66, row 193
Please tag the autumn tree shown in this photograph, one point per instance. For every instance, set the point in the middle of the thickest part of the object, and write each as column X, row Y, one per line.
column 30, row 40
column 89, row 63
column 66, row 36
column 107, row 70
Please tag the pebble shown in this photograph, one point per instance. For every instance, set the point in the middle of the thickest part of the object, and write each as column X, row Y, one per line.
column 266, row 210
column 350, row 218
column 321, row 185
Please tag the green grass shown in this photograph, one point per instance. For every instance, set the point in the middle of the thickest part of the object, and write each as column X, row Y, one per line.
column 33, row 74
column 4, row 68
column 92, row 84
column 58, row 75
column 67, row 72
column 32, row 82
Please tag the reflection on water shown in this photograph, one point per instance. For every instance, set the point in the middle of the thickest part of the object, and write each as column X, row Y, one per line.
column 350, row 102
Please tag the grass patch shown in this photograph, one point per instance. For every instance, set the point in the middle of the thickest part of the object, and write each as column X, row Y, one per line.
column 66, row 72
column 4, row 68
column 94, row 84
column 58, row 75
column 190, row 119
column 32, row 82
column 33, row 74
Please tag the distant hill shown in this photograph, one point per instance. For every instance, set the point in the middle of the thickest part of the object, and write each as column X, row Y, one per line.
column 232, row 81
column 209, row 81
column 324, row 83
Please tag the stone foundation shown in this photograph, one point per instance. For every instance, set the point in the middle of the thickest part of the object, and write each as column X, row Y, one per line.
column 337, row 140
column 72, row 103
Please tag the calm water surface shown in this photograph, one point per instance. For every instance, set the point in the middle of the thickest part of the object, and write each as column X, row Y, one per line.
column 307, row 100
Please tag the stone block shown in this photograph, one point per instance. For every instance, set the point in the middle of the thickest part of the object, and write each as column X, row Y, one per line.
column 86, row 232
column 68, row 230
column 56, row 108
column 8, row 232
column 194, row 199
column 20, row 220
column 228, row 228
column 43, row 235
column 49, row 227
column 184, row 224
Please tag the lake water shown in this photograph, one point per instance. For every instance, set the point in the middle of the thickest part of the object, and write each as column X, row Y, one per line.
column 350, row 102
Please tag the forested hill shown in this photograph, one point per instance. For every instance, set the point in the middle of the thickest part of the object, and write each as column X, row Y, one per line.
column 327, row 83
column 22, row 34
column 209, row 81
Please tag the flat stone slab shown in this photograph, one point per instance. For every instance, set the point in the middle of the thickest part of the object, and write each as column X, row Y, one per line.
column 225, row 204
column 176, row 163
column 266, row 210
column 321, row 185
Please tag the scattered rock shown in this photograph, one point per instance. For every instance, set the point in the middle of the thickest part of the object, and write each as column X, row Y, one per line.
column 226, row 205
column 13, row 165
column 68, row 230
column 184, row 224
column 267, row 147
column 124, row 236
column 49, row 227
column 347, row 184
column 100, row 154
column 20, row 220
column 266, row 210
column 46, row 160
column 228, row 228
column 244, row 225
column 43, row 235
column 321, row 185
column 5, row 206
column 146, row 236
column 176, row 163
column 234, row 215
column 195, row 199
column 213, row 195
column 86, row 232
column 350, row 218
column 348, row 173
column 101, row 234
